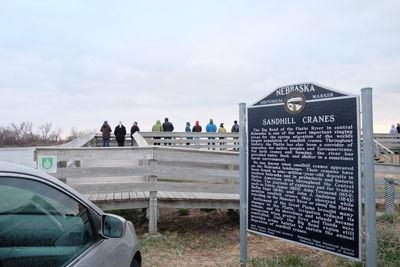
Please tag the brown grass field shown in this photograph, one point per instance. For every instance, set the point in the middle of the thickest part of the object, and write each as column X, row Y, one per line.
column 211, row 238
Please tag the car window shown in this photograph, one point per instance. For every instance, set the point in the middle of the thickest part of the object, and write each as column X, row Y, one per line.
column 40, row 225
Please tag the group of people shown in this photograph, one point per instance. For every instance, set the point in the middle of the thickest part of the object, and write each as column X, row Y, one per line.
column 167, row 126
column 394, row 129
column 119, row 132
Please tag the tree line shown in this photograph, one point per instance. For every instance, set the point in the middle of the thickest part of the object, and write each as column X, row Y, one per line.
column 25, row 134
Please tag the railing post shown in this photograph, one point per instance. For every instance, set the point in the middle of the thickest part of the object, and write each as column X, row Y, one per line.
column 153, row 213
column 369, row 179
column 243, row 183
column 153, row 205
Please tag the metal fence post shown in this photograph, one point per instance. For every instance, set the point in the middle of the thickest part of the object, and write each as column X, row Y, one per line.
column 369, row 177
column 243, row 183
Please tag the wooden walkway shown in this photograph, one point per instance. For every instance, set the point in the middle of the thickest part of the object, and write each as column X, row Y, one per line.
column 165, row 199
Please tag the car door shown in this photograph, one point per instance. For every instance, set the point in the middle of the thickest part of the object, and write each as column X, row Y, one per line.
column 42, row 225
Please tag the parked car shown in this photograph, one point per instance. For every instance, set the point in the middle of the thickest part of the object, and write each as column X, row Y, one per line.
column 44, row 222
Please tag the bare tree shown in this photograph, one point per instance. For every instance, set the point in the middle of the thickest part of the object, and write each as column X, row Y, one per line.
column 18, row 130
column 45, row 130
column 29, row 135
column 56, row 135
column 7, row 136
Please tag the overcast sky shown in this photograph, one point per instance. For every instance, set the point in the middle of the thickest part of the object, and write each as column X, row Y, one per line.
column 77, row 63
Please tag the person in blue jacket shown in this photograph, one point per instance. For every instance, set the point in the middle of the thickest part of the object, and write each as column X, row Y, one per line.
column 188, row 130
column 211, row 128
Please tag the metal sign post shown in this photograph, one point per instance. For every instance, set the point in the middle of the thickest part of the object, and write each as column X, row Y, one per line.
column 369, row 176
column 243, row 183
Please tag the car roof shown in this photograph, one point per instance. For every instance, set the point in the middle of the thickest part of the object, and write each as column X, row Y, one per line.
column 7, row 167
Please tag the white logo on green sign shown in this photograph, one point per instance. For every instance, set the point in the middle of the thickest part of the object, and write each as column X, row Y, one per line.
column 47, row 163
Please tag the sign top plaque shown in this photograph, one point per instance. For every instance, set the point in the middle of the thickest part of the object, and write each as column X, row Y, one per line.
column 310, row 91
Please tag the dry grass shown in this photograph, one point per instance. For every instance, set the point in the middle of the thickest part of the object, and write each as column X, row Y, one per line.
column 212, row 239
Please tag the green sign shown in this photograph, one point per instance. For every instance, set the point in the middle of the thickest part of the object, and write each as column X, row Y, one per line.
column 48, row 164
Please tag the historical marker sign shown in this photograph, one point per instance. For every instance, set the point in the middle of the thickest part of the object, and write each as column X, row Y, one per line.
column 304, row 168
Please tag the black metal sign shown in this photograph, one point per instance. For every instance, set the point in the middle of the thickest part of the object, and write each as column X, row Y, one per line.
column 303, row 168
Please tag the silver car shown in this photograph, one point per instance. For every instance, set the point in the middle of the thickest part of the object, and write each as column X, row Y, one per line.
column 44, row 222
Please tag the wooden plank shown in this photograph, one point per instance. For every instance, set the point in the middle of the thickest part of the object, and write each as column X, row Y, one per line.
column 93, row 197
column 199, row 195
column 125, row 195
column 101, row 197
column 141, row 195
column 175, row 195
column 177, row 135
column 117, row 196
column 161, row 194
column 120, row 205
column 109, row 196
column 184, row 195
column 133, row 195
column 169, row 195
column 197, row 173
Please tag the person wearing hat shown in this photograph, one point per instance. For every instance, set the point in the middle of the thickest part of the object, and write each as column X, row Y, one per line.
column 188, row 130
column 105, row 133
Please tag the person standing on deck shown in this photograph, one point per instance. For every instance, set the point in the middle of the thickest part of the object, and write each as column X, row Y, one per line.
column 393, row 130
column 157, row 128
column 222, row 129
column 398, row 127
column 120, row 132
column 105, row 133
column 134, row 129
column 197, row 129
column 188, row 130
column 211, row 128
column 235, row 129
column 167, row 127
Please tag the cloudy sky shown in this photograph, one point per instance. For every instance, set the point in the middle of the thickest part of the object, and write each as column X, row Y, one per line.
column 77, row 63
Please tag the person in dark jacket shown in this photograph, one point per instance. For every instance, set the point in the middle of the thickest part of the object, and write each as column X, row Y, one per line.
column 167, row 127
column 197, row 129
column 120, row 132
column 134, row 129
column 105, row 133
column 235, row 129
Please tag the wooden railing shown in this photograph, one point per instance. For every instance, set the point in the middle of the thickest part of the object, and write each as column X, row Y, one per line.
column 150, row 177
column 203, row 141
column 383, row 151
column 390, row 141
